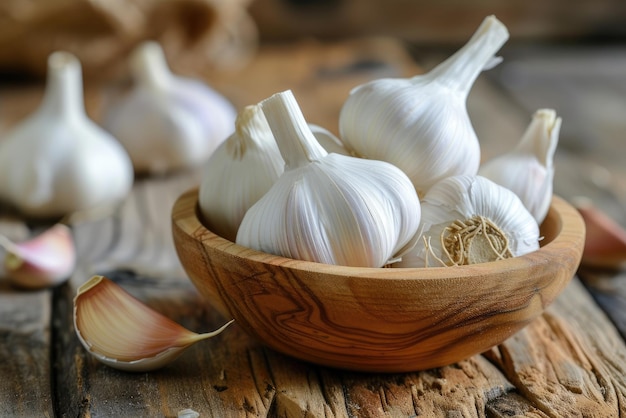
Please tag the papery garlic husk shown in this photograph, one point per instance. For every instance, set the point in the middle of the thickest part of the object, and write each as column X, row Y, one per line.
column 528, row 169
column 421, row 124
column 328, row 208
column 43, row 261
column 124, row 333
column 240, row 171
column 168, row 122
column 57, row 161
column 468, row 220
column 605, row 238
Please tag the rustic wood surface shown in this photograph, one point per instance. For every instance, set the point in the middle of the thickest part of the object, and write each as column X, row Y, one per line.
column 569, row 362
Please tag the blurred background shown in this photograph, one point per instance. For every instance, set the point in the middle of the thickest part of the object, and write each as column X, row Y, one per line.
column 202, row 35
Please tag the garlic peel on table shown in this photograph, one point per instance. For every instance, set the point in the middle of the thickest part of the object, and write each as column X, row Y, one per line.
column 468, row 220
column 57, row 161
column 528, row 169
column 328, row 208
column 46, row 260
column 167, row 122
column 124, row 333
column 420, row 124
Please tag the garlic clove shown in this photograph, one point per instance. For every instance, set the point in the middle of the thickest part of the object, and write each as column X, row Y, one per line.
column 328, row 208
column 57, row 161
column 468, row 220
column 605, row 239
column 167, row 122
column 421, row 124
column 528, row 169
column 43, row 261
column 124, row 333
column 239, row 172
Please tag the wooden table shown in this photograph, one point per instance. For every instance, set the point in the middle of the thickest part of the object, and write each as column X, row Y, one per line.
column 571, row 362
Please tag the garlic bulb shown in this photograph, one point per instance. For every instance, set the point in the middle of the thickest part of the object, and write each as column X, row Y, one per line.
column 239, row 172
column 328, row 208
column 470, row 219
column 528, row 170
column 328, row 140
column 421, row 124
column 167, row 122
column 43, row 261
column 122, row 332
column 58, row 161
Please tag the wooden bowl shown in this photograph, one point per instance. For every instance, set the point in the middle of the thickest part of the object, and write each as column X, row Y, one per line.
column 383, row 320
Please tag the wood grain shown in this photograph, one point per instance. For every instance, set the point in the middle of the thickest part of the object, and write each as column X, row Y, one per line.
column 385, row 320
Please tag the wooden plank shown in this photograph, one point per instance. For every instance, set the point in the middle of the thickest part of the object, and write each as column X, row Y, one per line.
column 25, row 341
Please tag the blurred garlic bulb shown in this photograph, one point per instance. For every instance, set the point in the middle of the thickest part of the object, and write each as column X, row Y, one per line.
column 328, row 208
column 167, row 122
column 421, row 124
column 528, row 170
column 43, row 261
column 470, row 219
column 57, row 161
column 240, row 171
column 124, row 333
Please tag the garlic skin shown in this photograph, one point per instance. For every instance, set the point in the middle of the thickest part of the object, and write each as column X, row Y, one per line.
column 490, row 220
column 328, row 208
column 43, row 261
column 528, row 169
column 167, row 122
column 57, row 161
column 328, row 140
column 124, row 333
column 605, row 238
column 239, row 172
column 420, row 124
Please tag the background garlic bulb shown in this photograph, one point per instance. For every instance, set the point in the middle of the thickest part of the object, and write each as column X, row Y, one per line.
column 239, row 172
column 470, row 219
column 58, row 161
column 421, row 124
column 328, row 208
column 528, row 170
column 167, row 122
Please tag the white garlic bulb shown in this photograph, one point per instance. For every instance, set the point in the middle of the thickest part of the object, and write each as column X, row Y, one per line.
column 421, row 124
column 239, row 172
column 469, row 219
column 168, row 122
column 528, row 170
column 57, row 161
column 328, row 140
column 328, row 208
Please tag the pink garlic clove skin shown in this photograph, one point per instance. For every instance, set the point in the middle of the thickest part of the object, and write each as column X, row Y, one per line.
column 44, row 261
column 605, row 242
column 124, row 333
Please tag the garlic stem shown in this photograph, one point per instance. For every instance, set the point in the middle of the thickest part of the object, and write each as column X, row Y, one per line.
column 63, row 95
column 149, row 66
column 293, row 135
column 541, row 138
column 462, row 68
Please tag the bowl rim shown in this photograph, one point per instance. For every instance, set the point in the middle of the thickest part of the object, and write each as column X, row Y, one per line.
column 569, row 235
